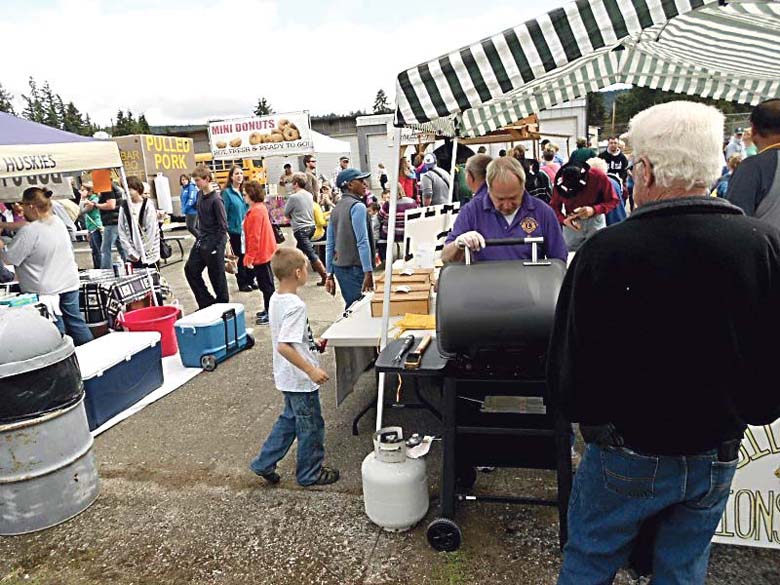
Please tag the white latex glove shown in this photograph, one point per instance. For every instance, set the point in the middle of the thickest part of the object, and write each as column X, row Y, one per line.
column 471, row 240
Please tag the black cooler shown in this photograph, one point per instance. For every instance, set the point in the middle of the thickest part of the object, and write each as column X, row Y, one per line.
column 493, row 325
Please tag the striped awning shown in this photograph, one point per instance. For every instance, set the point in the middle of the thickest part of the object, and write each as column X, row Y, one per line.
column 710, row 48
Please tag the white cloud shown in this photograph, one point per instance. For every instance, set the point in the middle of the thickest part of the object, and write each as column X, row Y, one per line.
column 189, row 65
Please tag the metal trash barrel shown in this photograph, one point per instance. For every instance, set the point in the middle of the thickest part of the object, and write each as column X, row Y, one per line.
column 47, row 468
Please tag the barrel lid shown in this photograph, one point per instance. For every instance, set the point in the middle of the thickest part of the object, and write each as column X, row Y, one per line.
column 64, row 350
column 24, row 335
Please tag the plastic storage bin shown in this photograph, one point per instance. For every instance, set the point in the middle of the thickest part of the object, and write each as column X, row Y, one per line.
column 118, row 370
column 211, row 335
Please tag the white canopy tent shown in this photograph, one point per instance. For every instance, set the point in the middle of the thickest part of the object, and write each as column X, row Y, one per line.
column 30, row 149
column 326, row 145
column 709, row 48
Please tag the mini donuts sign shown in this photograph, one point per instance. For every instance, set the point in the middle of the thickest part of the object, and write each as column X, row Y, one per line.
column 276, row 135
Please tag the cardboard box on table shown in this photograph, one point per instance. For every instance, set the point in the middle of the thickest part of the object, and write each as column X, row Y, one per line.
column 418, row 302
column 410, row 292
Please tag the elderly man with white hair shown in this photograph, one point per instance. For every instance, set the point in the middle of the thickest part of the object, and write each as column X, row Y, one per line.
column 663, row 428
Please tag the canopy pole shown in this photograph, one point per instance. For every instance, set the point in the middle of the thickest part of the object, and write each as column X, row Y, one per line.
column 123, row 180
column 388, row 269
column 452, row 168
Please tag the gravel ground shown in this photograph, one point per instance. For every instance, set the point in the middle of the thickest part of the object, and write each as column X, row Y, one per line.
column 179, row 505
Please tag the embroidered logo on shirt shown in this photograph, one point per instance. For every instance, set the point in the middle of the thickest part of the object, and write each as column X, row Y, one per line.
column 529, row 225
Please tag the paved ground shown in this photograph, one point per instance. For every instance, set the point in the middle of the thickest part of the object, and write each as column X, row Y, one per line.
column 179, row 506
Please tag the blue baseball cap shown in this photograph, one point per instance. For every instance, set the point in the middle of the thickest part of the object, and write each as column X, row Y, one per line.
column 348, row 175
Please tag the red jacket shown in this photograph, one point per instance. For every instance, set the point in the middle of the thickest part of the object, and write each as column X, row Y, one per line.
column 598, row 194
column 408, row 184
column 259, row 237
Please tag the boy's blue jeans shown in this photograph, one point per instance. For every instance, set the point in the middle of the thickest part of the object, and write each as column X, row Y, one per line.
column 302, row 420
column 616, row 489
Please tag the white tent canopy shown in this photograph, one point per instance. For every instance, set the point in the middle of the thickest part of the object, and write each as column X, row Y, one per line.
column 27, row 148
column 325, row 144
column 708, row 48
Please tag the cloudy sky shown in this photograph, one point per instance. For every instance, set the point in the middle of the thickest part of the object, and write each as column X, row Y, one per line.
column 187, row 61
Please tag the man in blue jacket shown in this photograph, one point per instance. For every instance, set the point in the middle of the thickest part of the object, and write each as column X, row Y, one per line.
column 348, row 249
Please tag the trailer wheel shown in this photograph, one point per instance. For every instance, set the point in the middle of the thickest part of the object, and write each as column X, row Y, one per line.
column 208, row 362
column 444, row 535
column 250, row 341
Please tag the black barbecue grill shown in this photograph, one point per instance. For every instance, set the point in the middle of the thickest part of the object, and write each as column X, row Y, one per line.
column 493, row 324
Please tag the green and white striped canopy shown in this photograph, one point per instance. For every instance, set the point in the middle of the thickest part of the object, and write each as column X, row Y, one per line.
column 710, row 48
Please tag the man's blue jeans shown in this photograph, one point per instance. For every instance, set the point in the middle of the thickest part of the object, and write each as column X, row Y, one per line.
column 302, row 420
column 350, row 279
column 616, row 489
column 110, row 237
column 72, row 321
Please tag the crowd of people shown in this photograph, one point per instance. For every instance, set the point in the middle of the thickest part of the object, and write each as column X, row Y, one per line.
column 690, row 221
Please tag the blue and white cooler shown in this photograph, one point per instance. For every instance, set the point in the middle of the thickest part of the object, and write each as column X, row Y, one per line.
column 118, row 370
column 212, row 335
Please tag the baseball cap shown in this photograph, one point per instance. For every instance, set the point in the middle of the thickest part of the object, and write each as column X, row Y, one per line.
column 429, row 159
column 348, row 175
column 739, row 131
column 571, row 178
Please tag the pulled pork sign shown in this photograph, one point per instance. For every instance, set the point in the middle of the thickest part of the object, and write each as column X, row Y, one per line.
column 275, row 135
column 752, row 516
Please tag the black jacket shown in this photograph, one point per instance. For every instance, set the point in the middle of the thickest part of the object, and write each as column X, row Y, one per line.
column 667, row 327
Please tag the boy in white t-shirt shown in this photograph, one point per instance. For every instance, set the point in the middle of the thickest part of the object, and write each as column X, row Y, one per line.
column 297, row 375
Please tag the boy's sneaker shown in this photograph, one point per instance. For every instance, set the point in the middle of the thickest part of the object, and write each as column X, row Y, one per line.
column 270, row 476
column 261, row 314
column 262, row 320
column 327, row 476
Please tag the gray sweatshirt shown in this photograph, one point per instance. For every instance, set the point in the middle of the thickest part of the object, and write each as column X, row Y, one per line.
column 300, row 209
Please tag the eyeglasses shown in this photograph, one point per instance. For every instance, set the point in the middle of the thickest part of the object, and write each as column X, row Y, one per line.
column 313, row 161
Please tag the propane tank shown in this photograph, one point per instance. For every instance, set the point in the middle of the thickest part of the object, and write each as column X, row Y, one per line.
column 395, row 487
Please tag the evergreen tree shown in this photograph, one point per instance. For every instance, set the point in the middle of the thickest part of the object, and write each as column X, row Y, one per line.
column 5, row 101
column 381, row 105
column 51, row 116
column 143, row 125
column 263, row 108
column 595, row 109
column 635, row 100
column 33, row 110
column 89, row 128
column 119, row 126
column 72, row 121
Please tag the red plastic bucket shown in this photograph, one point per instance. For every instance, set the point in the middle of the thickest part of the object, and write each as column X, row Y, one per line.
column 160, row 319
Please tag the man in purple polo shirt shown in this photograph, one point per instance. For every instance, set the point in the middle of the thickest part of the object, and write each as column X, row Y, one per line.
column 505, row 211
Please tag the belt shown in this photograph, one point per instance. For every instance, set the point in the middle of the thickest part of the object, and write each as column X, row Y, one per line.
column 608, row 436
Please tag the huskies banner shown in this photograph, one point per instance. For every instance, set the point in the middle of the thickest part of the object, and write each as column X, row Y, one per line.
column 275, row 135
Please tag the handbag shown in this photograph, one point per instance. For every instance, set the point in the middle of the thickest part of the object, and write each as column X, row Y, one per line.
column 165, row 248
column 231, row 260
column 278, row 233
